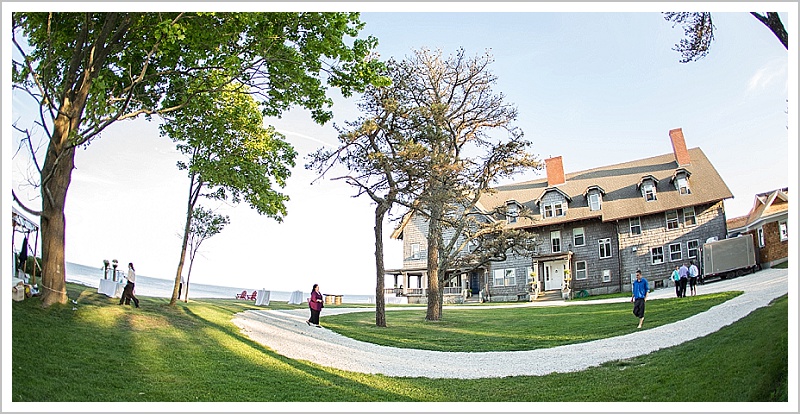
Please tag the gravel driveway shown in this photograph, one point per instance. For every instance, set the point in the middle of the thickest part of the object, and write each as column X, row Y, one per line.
column 286, row 332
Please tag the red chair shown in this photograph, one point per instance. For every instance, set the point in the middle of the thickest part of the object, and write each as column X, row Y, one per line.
column 242, row 295
column 253, row 296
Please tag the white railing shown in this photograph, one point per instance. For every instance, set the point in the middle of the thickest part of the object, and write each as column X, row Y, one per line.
column 415, row 291
column 453, row 290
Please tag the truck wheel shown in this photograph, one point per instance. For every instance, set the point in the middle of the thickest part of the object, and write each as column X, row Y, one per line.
column 740, row 272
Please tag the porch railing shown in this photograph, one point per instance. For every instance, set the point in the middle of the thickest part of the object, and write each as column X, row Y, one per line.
column 456, row 290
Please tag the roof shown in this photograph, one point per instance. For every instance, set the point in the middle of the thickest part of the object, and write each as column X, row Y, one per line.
column 766, row 205
column 622, row 198
column 619, row 183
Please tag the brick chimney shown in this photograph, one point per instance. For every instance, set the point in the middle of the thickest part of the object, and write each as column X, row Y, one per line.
column 679, row 147
column 555, row 171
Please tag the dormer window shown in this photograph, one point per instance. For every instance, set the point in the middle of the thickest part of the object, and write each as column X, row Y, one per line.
column 594, row 196
column 648, row 187
column 512, row 211
column 681, row 181
column 554, row 210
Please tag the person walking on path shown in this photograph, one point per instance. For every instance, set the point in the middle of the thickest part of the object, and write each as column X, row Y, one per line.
column 640, row 290
column 127, row 293
column 693, row 273
column 684, row 272
column 676, row 278
column 315, row 303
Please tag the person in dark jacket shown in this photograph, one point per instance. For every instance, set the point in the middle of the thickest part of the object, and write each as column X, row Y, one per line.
column 315, row 303
column 127, row 293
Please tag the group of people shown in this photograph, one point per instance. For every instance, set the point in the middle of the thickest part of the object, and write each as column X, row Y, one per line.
column 683, row 275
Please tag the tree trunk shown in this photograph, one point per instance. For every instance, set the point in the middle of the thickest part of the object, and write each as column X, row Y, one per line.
column 193, row 191
column 56, row 177
column 380, row 304
column 188, row 275
column 434, row 312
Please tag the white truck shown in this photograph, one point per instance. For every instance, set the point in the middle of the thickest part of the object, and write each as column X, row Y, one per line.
column 728, row 257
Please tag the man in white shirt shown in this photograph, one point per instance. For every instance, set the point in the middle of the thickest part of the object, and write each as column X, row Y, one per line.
column 693, row 274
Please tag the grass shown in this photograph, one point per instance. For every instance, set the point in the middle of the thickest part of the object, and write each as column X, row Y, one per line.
column 96, row 350
column 519, row 329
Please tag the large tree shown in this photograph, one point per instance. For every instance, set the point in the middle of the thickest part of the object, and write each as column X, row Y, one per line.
column 464, row 142
column 379, row 158
column 698, row 30
column 230, row 156
column 86, row 71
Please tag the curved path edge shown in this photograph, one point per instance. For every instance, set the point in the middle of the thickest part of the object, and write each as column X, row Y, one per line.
column 287, row 333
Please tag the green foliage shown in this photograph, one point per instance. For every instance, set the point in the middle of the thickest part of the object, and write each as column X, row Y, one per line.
column 192, row 352
column 206, row 223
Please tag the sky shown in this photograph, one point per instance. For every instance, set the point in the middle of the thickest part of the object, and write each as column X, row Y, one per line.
column 597, row 87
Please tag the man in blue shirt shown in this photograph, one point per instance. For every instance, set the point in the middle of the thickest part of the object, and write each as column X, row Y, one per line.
column 640, row 289
column 684, row 272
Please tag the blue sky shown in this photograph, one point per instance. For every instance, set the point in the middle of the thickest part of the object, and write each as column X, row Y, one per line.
column 596, row 88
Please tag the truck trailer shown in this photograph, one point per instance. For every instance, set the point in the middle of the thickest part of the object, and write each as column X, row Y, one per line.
column 728, row 257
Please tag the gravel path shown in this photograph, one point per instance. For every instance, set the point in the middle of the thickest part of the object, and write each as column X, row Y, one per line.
column 286, row 332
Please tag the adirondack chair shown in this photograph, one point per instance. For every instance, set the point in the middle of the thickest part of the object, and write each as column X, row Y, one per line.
column 253, row 296
column 242, row 295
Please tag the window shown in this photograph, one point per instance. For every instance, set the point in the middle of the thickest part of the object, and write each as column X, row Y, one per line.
column 605, row 248
column 691, row 249
column 683, row 185
column 512, row 213
column 672, row 219
column 499, row 277
column 511, row 277
column 580, row 270
column 554, row 210
column 414, row 251
column 761, row 242
column 636, row 226
column 606, row 275
column 578, row 238
column 528, row 275
column 689, row 219
column 784, row 230
column 675, row 253
column 555, row 241
column 657, row 255
column 649, row 191
column 594, row 202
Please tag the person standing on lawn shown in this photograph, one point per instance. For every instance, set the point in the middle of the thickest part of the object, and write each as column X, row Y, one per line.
column 127, row 293
column 676, row 278
column 640, row 290
column 315, row 303
column 684, row 272
column 693, row 273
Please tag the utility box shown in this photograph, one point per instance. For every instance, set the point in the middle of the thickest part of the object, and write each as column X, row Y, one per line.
column 729, row 257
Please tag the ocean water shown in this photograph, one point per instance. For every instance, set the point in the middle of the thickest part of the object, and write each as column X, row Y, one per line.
column 162, row 288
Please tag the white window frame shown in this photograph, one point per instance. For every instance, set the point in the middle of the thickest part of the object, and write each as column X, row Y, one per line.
column 595, row 202
column 606, row 276
column 578, row 231
column 528, row 275
column 656, row 252
column 415, row 251
column 761, row 241
column 638, row 225
column 512, row 212
column 499, row 275
column 672, row 252
column 690, row 249
column 692, row 215
column 510, row 277
column 555, row 236
column 581, row 274
column 547, row 211
column 673, row 221
column 559, row 210
column 649, row 191
column 682, row 184
column 783, row 228
column 607, row 244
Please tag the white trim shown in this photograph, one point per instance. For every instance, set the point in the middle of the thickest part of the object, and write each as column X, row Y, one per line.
column 600, row 243
column 585, row 270
column 680, row 250
column 582, row 233
column 652, row 257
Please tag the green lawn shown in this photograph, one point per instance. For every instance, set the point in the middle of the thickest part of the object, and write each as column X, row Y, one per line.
column 524, row 328
column 96, row 350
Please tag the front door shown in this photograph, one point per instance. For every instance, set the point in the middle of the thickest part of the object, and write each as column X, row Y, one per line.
column 554, row 275
column 474, row 282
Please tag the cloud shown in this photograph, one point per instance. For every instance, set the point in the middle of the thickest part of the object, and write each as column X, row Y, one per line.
column 768, row 75
column 310, row 138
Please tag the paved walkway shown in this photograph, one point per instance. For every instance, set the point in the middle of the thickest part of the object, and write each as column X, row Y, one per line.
column 286, row 332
